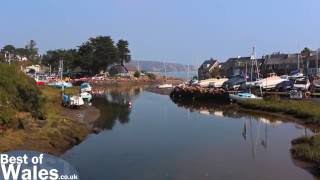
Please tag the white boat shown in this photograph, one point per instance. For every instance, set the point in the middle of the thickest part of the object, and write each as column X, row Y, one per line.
column 86, row 96
column 269, row 82
column 302, row 83
column 85, row 87
column 72, row 101
column 60, row 84
column 213, row 82
column 243, row 96
column 165, row 86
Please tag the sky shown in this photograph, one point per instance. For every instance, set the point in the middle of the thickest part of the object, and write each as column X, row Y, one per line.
column 183, row 31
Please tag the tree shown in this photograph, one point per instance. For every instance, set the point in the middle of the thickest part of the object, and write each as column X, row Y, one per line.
column 32, row 51
column 305, row 54
column 123, row 51
column 70, row 57
column 8, row 48
column 98, row 53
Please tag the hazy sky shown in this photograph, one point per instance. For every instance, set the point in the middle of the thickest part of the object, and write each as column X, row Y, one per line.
column 187, row 31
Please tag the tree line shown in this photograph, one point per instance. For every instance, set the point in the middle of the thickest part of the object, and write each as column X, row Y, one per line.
column 29, row 52
column 93, row 56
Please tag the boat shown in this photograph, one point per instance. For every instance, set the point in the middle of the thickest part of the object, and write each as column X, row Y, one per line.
column 295, row 74
column 302, row 84
column 270, row 82
column 41, row 80
column 165, row 86
column 72, row 101
column 234, row 83
column 60, row 84
column 86, row 96
column 213, row 82
column 85, row 87
column 243, row 96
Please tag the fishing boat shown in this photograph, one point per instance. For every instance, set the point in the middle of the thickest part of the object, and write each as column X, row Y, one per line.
column 243, row 96
column 270, row 82
column 213, row 82
column 85, row 87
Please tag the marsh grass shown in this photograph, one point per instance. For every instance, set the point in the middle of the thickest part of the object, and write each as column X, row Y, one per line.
column 307, row 111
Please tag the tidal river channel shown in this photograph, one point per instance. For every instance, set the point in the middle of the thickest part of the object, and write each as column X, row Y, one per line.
column 156, row 139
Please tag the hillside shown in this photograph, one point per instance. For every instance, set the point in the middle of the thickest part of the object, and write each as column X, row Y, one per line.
column 18, row 93
column 156, row 66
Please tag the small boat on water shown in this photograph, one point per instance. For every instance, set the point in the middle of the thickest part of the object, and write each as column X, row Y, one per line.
column 85, row 87
column 86, row 96
column 60, row 84
column 165, row 86
column 243, row 96
column 213, row 82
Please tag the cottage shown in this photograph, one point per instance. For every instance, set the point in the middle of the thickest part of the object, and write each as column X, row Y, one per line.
column 240, row 66
column 281, row 63
column 206, row 70
column 123, row 70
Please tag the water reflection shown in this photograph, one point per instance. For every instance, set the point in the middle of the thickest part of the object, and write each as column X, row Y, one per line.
column 114, row 105
column 256, row 126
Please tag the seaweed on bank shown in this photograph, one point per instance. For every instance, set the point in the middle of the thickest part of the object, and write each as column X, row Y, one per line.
column 199, row 94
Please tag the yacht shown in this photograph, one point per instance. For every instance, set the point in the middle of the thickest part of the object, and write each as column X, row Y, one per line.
column 243, row 96
column 213, row 82
column 270, row 82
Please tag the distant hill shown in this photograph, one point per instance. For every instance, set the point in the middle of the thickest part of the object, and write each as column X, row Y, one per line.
column 156, row 66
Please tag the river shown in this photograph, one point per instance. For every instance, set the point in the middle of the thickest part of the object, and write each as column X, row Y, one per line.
column 156, row 139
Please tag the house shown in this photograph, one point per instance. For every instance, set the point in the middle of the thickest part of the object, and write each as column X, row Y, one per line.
column 282, row 63
column 207, row 68
column 241, row 66
column 311, row 64
column 123, row 70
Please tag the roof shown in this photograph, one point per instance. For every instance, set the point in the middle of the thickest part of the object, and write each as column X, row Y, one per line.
column 208, row 64
column 281, row 59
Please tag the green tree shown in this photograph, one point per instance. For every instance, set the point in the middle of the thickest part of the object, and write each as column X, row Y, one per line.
column 98, row 53
column 8, row 48
column 32, row 51
column 70, row 58
column 123, row 51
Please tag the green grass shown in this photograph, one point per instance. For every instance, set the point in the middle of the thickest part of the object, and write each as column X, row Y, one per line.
column 307, row 111
column 307, row 149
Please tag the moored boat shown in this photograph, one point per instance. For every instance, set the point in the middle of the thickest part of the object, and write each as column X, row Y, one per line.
column 85, row 87
column 243, row 96
column 60, row 84
column 213, row 82
column 165, row 86
column 270, row 82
